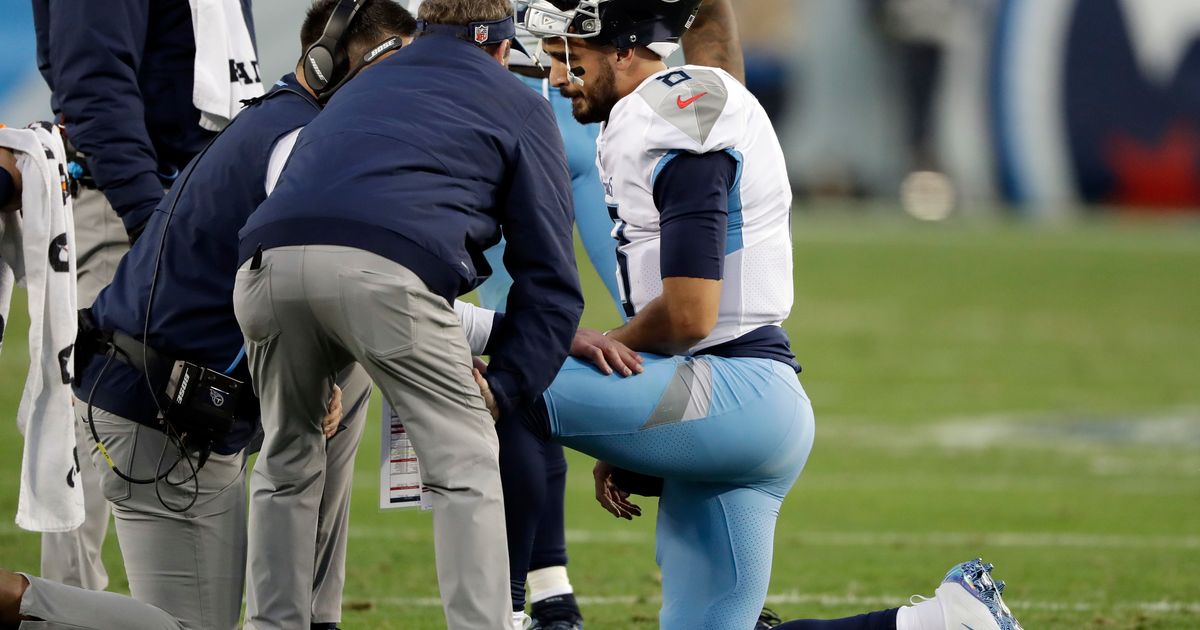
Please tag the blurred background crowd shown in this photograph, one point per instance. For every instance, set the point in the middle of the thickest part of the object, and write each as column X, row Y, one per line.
column 1038, row 107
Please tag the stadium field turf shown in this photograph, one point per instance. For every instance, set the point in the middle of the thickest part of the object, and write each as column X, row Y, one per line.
column 1025, row 394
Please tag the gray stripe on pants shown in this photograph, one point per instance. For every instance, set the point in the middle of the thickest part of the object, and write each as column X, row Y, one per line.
column 687, row 396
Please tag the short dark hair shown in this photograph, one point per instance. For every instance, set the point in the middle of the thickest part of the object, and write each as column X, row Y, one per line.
column 464, row 11
column 376, row 21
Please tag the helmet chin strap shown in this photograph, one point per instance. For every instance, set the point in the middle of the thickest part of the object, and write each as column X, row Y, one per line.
column 573, row 73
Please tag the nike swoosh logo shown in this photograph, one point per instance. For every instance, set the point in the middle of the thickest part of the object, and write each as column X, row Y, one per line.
column 683, row 104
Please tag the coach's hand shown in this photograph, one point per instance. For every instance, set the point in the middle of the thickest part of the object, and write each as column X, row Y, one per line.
column 608, row 355
column 485, row 390
column 333, row 414
column 612, row 498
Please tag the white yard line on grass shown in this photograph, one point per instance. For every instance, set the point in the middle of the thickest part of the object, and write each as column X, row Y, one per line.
column 835, row 539
column 867, row 539
column 827, row 600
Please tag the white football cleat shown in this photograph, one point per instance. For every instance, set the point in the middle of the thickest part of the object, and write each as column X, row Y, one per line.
column 971, row 599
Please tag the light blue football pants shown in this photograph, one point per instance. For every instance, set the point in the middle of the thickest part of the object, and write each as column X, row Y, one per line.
column 729, row 436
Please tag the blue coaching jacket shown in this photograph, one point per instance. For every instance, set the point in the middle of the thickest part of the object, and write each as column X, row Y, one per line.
column 192, row 316
column 121, row 74
column 421, row 160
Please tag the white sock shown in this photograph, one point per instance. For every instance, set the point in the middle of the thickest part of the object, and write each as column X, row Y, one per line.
column 520, row 620
column 547, row 583
column 924, row 615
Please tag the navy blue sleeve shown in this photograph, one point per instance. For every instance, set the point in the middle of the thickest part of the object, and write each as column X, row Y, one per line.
column 94, row 52
column 7, row 187
column 692, row 196
column 545, row 301
column 490, row 347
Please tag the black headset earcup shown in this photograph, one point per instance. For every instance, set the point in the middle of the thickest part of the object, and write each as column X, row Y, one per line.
column 319, row 68
column 326, row 63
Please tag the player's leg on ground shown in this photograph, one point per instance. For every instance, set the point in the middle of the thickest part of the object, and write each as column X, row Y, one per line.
column 551, row 595
column 968, row 597
column 73, row 557
column 526, row 491
column 292, row 363
column 879, row 620
column 52, row 606
column 411, row 344
column 333, row 522
column 551, row 550
column 183, row 539
column 714, row 545
column 533, row 504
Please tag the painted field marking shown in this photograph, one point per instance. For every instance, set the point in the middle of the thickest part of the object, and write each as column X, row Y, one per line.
column 863, row 539
column 824, row 599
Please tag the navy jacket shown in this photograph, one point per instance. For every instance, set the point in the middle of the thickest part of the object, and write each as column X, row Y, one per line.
column 421, row 160
column 192, row 316
column 120, row 73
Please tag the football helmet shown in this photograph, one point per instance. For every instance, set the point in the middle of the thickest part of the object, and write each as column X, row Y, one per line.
column 623, row 24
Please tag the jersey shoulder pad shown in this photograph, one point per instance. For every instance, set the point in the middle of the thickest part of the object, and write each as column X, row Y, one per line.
column 693, row 110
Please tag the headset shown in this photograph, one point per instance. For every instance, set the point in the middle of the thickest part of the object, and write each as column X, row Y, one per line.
column 327, row 62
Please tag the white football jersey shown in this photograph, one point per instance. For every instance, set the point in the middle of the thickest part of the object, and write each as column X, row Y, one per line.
column 697, row 109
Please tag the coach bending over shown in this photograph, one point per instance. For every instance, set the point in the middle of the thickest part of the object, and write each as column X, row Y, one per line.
column 379, row 221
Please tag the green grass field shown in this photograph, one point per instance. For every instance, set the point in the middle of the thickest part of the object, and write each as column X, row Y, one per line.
column 1031, row 395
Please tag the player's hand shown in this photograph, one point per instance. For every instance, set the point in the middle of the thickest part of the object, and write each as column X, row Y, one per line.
column 485, row 390
column 612, row 498
column 8, row 162
column 333, row 414
column 608, row 355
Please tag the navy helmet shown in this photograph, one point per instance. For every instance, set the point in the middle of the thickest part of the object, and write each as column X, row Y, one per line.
column 623, row 24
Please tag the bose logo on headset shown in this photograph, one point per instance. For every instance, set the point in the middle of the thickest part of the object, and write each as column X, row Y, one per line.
column 317, row 69
column 391, row 43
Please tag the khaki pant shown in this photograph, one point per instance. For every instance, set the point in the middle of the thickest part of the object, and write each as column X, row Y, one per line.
column 187, row 569
column 308, row 312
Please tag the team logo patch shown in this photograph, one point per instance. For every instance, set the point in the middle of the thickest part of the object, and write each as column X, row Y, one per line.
column 481, row 33
column 218, row 400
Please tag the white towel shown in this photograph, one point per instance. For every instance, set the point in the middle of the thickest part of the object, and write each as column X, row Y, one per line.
column 37, row 248
column 226, row 71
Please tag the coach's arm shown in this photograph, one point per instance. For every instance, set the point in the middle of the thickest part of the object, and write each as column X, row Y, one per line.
column 545, row 302
column 95, row 52
column 692, row 197
column 713, row 39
